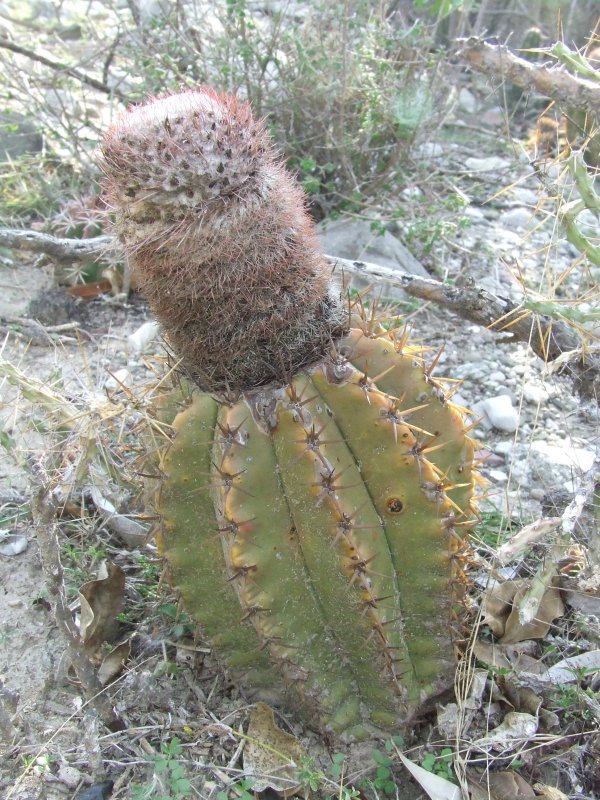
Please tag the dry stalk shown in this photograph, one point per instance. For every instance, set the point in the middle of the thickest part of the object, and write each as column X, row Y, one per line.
column 44, row 508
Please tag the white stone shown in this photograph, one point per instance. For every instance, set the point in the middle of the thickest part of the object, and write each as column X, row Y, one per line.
column 564, row 454
column 504, row 448
column 488, row 164
column 431, row 150
column 117, row 379
column 516, row 219
column 534, row 394
column 410, row 192
column 494, row 117
column 354, row 239
column 498, row 476
column 467, row 101
column 141, row 338
column 523, row 196
column 500, row 412
column 70, row 776
column 497, row 376
column 473, row 213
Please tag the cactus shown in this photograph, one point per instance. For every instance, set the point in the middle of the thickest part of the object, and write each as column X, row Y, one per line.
column 318, row 488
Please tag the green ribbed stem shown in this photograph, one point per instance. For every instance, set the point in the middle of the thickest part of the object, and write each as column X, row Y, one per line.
column 312, row 538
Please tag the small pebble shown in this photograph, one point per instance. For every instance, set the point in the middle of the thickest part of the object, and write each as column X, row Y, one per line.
column 500, row 412
column 117, row 379
column 505, row 447
column 467, row 101
column 487, row 164
column 70, row 776
column 498, row 475
column 518, row 219
column 534, row 394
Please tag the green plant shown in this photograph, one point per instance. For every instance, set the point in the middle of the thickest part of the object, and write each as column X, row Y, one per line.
column 382, row 780
column 440, row 764
column 239, row 790
column 318, row 489
column 169, row 781
column 442, row 222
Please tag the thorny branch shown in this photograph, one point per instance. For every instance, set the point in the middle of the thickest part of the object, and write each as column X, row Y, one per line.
column 553, row 81
column 550, row 339
column 58, row 66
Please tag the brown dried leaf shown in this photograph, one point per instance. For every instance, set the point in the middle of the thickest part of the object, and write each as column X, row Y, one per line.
column 499, row 786
column 515, row 730
column 113, row 662
column 509, row 656
column 101, row 601
column 549, row 792
column 272, row 756
column 550, row 608
column 497, row 605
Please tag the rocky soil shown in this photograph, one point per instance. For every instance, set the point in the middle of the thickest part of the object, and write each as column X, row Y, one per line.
column 537, row 436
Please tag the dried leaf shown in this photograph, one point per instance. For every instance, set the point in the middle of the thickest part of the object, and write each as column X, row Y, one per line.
column 133, row 533
column 550, row 608
column 272, row 756
column 499, row 786
column 12, row 544
column 520, row 542
column 529, row 605
column 588, row 604
column 492, row 654
column 437, row 788
column 515, row 729
column 113, row 662
column 549, row 792
column 497, row 605
column 101, row 601
column 87, row 291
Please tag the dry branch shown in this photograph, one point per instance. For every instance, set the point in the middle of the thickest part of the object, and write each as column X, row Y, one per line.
column 550, row 339
column 68, row 250
column 554, row 82
column 59, row 66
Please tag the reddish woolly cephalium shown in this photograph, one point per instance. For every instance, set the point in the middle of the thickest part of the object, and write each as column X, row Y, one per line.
column 219, row 240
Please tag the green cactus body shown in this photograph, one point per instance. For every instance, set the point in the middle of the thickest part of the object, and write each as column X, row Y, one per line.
column 318, row 487
column 340, row 564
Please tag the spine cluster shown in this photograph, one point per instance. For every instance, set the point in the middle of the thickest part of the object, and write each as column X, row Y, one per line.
column 219, row 240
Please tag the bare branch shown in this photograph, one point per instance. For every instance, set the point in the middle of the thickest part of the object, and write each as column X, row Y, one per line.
column 552, row 81
column 549, row 339
column 68, row 250
column 58, row 66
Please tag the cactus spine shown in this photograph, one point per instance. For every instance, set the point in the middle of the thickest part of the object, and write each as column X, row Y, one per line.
column 321, row 467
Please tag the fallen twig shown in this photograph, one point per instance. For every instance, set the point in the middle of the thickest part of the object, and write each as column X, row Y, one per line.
column 553, row 81
column 550, row 339
column 60, row 249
